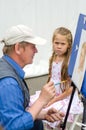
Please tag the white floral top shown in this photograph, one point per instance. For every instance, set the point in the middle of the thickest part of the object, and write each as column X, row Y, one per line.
column 56, row 76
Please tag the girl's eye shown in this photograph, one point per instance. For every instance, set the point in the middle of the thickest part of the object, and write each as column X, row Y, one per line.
column 60, row 43
column 56, row 42
column 63, row 43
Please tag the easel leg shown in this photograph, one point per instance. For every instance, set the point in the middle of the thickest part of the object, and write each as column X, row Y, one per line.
column 84, row 113
column 63, row 125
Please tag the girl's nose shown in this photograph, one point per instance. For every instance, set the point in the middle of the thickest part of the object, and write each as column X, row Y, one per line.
column 59, row 45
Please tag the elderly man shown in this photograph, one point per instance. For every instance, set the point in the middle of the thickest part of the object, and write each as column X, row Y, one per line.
column 15, row 113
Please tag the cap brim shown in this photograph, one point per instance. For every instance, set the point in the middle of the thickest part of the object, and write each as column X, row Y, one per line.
column 36, row 40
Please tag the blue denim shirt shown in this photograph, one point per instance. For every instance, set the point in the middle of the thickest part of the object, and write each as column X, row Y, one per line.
column 12, row 113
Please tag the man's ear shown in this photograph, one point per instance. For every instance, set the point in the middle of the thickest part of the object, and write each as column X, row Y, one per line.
column 17, row 48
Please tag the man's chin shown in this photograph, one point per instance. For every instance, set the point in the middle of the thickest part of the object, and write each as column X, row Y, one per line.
column 30, row 62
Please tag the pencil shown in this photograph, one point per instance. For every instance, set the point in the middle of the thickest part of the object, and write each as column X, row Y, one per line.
column 60, row 108
column 61, row 82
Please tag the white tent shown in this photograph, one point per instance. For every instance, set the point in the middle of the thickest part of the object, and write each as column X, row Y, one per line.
column 43, row 16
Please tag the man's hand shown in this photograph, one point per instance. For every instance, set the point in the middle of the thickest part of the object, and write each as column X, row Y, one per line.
column 53, row 115
column 47, row 93
column 51, row 102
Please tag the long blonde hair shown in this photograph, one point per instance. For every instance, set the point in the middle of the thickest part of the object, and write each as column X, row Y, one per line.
column 64, row 71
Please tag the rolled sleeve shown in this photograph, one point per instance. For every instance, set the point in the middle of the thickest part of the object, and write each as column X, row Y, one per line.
column 28, row 123
column 12, row 113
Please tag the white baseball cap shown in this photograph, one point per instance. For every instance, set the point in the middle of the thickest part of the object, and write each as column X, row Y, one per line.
column 21, row 33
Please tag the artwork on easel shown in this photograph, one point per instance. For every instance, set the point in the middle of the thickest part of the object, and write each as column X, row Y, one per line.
column 80, row 64
column 77, row 65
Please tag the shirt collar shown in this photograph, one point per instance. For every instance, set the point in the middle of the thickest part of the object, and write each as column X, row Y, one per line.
column 18, row 69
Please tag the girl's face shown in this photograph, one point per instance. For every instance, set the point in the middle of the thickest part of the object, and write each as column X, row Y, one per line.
column 60, row 45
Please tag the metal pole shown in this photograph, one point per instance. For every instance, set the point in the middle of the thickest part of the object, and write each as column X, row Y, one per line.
column 84, row 114
column 63, row 125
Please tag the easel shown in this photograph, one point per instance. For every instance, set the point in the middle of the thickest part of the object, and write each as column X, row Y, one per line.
column 80, row 34
column 63, row 124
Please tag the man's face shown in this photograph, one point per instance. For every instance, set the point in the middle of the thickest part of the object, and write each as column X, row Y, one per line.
column 27, row 54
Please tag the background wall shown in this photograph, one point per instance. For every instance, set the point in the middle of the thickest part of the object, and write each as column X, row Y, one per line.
column 43, row 16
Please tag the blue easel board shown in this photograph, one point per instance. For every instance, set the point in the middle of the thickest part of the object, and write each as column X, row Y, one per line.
column 80, row 37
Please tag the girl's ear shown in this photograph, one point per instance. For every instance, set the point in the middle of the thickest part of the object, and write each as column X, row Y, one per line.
column 17, row 48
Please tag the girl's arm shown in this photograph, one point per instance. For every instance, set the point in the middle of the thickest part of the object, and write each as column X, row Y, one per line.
column 61, row 96
column 64, row 94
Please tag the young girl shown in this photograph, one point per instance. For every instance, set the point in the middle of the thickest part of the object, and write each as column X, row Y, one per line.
column 58, row 66
column 58, row 73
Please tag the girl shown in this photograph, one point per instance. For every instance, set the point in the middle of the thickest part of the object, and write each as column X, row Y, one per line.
column 58, row 73
column 58, row 66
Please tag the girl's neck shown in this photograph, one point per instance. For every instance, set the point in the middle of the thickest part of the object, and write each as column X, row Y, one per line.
column 59, row 59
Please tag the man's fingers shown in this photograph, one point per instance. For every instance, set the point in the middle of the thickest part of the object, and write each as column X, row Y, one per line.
column 52, row 110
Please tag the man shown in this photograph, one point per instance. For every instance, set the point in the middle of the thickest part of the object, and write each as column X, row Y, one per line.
column 15, row 113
